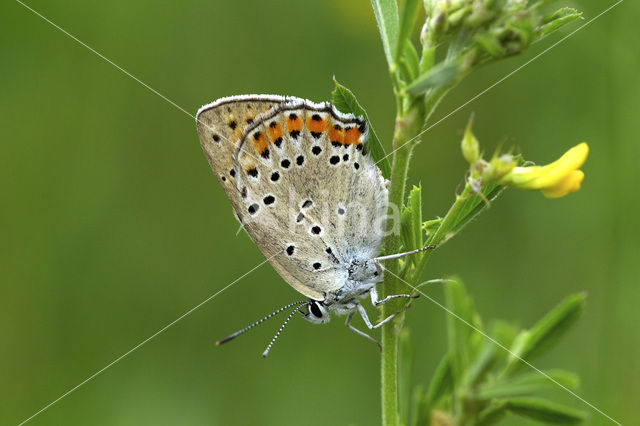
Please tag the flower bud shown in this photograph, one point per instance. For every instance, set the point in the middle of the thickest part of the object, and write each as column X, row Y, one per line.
column 498, row 167
column 470, row 146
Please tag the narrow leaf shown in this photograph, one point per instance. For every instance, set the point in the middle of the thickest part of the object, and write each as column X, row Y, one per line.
column 492, row 415
column 491, row 44
column 406, row 229
column 431, row 226
column 412, row 59
column 386, row 12
column 481, row 365
column 459, row 333
column 543, row 335
column 471, row 208
column 444, row 74
column 441, row 382
column 406, row 74
column 475, row 205
column 559, row 19
column 416, row 411
column 545, row 411
column 561, row 14
column 408, row 14
column 503, row 333
column 527, row 384
column 345, row 101
column 415, row 202
column 411, row 227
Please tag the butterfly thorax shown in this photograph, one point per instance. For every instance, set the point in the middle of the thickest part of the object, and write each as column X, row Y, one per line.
column 363, row 275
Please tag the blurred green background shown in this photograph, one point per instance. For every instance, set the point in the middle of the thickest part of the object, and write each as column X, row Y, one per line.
column 113, row 225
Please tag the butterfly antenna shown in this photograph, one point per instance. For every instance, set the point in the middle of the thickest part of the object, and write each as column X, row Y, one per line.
column 237, row 333
column 266, row 351
column 406, row 253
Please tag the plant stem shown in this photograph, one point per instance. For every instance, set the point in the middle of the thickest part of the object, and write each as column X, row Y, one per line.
column 390, row 331
column 408, row 125
column 444, row 227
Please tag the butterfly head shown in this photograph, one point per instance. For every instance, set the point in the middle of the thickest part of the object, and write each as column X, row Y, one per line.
column 316, row 313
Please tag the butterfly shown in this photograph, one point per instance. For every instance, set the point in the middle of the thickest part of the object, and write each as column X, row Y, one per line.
column 303, row 185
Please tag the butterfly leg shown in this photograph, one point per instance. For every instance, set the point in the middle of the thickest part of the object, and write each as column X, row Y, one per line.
column 366, row 320
column 363, row 334
column 376, row 302
column 365, row 317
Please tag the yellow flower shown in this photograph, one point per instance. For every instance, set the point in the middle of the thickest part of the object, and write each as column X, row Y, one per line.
column 554, row 180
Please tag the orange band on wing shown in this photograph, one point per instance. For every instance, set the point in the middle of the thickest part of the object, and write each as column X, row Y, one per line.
column 294, row 123
column 274, row 130
column 260, row 142
column 316, row 124
column 352, row 135
column 336, row 134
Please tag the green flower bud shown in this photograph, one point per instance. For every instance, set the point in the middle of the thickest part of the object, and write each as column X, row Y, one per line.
column 470, row 146
column 498, row 167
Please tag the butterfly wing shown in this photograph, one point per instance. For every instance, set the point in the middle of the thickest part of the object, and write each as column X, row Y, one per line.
column 311, row 197
column 220, row 127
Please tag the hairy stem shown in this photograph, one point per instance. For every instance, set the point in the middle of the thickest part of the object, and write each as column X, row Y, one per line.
column 409, row 124
column 390, row 331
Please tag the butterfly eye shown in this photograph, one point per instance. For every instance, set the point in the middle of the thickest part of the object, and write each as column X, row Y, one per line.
column 315, row 310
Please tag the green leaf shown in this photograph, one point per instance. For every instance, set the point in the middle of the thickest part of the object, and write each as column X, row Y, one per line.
column 345, row 101
column 472, row 207
column 406, row 231
column 411, row 228
column 443, row 74
column 558, row 19
column 530, row 344
column 409, row 62
column 411, row 221
column 406, row 74
column 481, row 365
column 412, row 59
column 545, row 411
column 459, row 332
column 540, row 3
column 408, row 14
column 386, row 12
column 441, row 382
column 491, row 44
column 417, row 412
column 405, row 371
column 431, row 226
column 503, row 332
column 492, row 415
column 414, row 202
column 527, row 384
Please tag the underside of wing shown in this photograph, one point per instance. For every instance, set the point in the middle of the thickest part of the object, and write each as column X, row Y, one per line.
column 311, row 197
column 220, row 127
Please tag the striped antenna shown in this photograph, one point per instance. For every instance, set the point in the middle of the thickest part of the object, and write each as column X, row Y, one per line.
column 237, row 333
column 266, row 351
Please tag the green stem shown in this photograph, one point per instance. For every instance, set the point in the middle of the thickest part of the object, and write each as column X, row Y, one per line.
column 405, row 130
column 409, row 124
column 443, row 229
